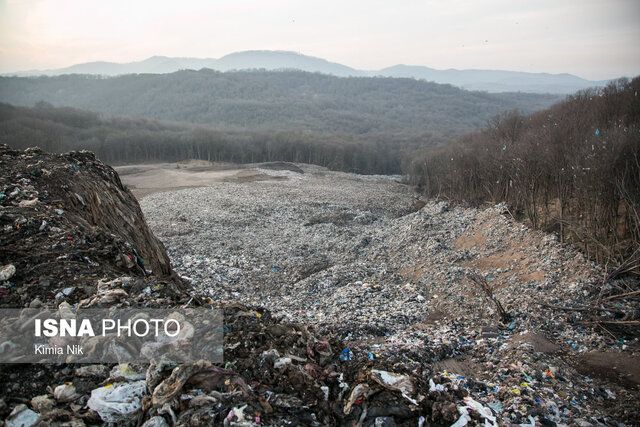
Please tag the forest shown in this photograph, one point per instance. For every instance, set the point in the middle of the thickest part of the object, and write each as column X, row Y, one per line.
column 573, row 168
column 278, row 101
column 118, row 140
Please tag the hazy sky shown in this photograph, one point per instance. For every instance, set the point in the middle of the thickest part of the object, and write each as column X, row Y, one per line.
column 595, row 39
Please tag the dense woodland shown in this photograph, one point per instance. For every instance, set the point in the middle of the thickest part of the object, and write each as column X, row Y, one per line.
column 121, row 140
column 277, row 101
column 573, row 168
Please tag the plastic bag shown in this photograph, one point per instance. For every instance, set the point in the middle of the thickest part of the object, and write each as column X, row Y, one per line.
column 116, row 402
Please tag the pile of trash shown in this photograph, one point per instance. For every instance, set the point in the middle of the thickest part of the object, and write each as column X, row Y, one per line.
column 275, row 374
column 361, row 259
column 345, row 303
column 67, row 222
column 73, row 236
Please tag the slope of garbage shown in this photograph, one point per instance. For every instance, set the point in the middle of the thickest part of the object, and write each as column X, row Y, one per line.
column 404, row 283
column 347, row 301
column 67, row 221
column 73, row 236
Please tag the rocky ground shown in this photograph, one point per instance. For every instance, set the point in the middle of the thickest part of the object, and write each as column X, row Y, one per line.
column 346, row 299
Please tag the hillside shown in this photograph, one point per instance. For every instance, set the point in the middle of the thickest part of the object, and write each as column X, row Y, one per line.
column 573, row 168
column 290, row 100
column 489, row 80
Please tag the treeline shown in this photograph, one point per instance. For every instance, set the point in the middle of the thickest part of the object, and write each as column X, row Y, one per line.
column 277, row 101
column 122, row 141
column 573, row 168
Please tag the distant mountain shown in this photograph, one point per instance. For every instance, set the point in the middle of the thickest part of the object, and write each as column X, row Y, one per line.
column 495, row 80
column 153, row 65
column 484, row 80
column 248, row 60
column 281, row 60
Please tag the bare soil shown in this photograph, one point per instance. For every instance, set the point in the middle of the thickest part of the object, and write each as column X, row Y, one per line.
column 145, row 179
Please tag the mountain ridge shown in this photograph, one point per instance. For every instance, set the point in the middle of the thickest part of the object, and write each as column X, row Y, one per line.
column 470, row 79
column 276, row 100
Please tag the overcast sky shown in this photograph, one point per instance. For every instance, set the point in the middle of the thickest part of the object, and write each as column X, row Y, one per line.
column 594, row 39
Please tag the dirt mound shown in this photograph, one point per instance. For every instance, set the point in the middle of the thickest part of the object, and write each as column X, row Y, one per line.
column 280, row 166
column 66, row 222
column 615, row 367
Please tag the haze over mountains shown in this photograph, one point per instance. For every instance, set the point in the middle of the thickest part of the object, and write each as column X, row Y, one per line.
column 483, row 80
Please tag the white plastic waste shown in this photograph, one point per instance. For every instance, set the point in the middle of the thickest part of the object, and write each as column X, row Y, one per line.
column 7, row 272
column 21, row 416
column 281, row 363
column 393, row 381
column 464, row 417
column 481, row 409
column 65, row 393
column 436, row 387
column 116, row 402
column 489, row 419
column 156, row 421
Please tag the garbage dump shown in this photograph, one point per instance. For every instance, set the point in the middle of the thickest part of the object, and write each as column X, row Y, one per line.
column 345, row 303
